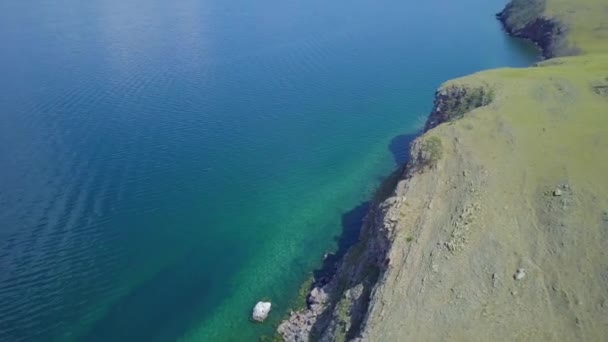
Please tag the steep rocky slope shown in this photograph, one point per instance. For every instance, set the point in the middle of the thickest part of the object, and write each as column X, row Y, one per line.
column 498, row 227
column 522, row 186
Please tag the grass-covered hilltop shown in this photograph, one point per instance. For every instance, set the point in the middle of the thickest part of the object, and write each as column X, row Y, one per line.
column 498, row 226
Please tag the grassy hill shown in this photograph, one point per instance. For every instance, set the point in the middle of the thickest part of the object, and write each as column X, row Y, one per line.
column 498, row 227
column 522, row 188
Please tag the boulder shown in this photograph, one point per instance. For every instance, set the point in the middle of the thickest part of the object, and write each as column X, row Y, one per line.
column 261, row 311
column 317, row 296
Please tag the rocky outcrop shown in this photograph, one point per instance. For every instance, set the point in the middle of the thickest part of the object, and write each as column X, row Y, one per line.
column 354, row 302
column 524, row 19
column 453, row 101
column 336, row 307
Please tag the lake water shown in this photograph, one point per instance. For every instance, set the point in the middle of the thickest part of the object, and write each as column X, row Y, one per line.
column 166, row 164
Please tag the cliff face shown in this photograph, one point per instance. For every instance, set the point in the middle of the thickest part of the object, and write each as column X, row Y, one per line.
column 337, row 308
column 452, row 102
column 524, row 19
column 505, row 237
column 498, row 226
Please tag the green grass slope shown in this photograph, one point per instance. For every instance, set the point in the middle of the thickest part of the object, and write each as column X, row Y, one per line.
column 521, row 184
column 586, row 21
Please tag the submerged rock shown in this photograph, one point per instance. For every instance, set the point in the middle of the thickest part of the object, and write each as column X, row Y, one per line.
column 261, row 311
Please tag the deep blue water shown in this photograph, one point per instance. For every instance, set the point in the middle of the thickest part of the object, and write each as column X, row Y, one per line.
column 166, row 164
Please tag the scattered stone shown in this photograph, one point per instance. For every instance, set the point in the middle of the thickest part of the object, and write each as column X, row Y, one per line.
column 495, row 280
column 317, row 296
column 519, row 274
column 261, row 311
column 557, row 192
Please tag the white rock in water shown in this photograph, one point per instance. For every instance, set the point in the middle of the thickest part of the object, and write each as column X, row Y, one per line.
column 260, row 311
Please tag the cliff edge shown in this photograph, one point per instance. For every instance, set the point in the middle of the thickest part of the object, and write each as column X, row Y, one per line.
column 497, row 229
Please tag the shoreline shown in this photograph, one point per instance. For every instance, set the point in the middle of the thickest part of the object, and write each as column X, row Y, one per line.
column 547, row 34
column 348, row 304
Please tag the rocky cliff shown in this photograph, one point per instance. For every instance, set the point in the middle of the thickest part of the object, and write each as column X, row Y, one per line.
column 337, row 307
column 497, row 227
column 524, row 19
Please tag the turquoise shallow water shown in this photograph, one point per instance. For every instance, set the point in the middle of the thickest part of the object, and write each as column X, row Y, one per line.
column 165, row 164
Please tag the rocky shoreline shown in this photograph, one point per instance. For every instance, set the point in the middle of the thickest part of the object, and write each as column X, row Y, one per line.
column 339, row 306
column 524, row 19
column 337, row 303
